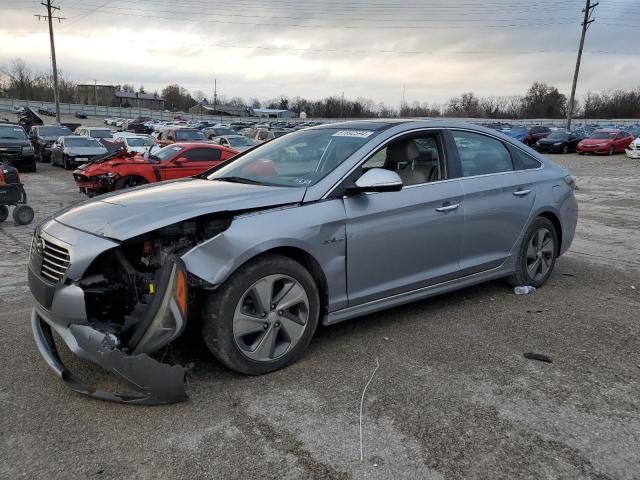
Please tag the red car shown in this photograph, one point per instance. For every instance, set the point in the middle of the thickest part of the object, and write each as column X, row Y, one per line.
column 534, row 134
column 605, row 141
column 127, row 169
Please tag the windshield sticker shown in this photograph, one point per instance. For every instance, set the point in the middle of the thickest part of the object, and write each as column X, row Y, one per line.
column 353, row 133
column 17, row 129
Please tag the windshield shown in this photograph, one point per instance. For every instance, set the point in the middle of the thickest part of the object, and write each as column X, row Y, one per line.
column 189, row 135
column 558, row 136
column 81, row 142
column 54, row 131
column 240, row 142
column 602, row 135
column 518, row 130
column 167, row 152
column 140, row 142
column 12, row 132
column 101, row 133
column 298, row 159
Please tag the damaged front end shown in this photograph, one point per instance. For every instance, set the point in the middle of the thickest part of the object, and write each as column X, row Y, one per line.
column 117, row 309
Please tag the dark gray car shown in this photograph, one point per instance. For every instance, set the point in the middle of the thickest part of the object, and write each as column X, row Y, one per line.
column 321, row 225
column 73, row 150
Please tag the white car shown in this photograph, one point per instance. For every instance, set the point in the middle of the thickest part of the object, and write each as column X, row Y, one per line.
column 99, row 133
column 237, row 142
column 16, row 109
column 634, row 149
column 135, row 142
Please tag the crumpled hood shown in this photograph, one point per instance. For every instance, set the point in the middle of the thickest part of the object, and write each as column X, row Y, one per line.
column 123, row 215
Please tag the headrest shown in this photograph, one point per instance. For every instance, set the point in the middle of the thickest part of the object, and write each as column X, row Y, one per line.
column 402, row 151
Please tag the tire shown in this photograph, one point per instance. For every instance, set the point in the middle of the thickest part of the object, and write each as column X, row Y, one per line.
column 65, row 163
column 612, row 151
column 4, row 213
column 565, row 149
column 129, row 182
column 529, row 254
column 23, row 214
column 230, row 312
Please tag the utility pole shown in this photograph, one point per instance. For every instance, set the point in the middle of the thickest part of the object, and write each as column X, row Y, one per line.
column 587, row 20
column 50, row 18
column 215, row 93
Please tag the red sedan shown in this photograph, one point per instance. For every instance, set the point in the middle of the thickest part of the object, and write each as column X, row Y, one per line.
column 125, row 169
column 605, row 142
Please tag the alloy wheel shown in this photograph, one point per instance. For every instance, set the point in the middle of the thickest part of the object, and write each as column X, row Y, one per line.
column 540, row 253
column 270, row 317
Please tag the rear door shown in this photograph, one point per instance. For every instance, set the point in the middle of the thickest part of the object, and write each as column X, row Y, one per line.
column 498, row 199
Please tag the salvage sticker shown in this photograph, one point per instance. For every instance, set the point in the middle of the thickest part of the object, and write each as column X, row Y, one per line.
column 353, row 133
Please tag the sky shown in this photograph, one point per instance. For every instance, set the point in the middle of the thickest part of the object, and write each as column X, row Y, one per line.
column 429, row 49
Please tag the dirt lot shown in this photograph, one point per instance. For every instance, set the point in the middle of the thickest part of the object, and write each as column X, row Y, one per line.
column 453, row 397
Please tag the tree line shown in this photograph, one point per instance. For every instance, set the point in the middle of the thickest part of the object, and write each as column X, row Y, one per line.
column 18, row 81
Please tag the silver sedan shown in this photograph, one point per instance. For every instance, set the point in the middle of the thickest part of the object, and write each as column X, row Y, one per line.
column 321, row 225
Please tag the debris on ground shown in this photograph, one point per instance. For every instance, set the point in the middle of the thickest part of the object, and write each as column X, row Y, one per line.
column 524, row 290
column 361, row 406
column 541, row 357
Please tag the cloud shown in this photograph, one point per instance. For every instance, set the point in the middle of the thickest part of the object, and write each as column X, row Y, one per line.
column 320, row 48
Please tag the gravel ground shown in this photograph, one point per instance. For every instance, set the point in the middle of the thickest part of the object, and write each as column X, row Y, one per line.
column 453, row 397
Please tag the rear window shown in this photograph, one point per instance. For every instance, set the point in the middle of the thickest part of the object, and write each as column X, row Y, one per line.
column 522, row 160
column 182, row 135
column 481, row 155
column 101, row 133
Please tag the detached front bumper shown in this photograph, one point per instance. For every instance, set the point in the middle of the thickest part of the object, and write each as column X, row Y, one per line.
column 60, row 308
column 152, row 382
column 93, row 185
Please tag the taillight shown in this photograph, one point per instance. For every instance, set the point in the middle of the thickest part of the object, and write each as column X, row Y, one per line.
column 571, row 181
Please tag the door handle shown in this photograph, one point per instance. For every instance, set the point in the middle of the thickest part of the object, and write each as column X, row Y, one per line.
column 447, row 208
column 522, row 193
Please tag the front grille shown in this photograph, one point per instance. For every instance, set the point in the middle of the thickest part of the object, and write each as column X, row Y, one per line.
column 55, row 259
column 11, row 150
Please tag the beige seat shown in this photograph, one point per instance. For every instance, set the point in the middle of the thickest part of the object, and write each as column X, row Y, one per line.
column 400, row 158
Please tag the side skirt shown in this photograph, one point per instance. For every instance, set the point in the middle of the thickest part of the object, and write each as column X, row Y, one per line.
column 419, row 294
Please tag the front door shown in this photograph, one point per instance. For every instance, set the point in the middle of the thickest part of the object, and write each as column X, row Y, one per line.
column 404, row 240
column 198, row 160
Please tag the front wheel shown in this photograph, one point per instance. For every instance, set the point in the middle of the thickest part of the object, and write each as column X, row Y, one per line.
column 612, row 151
column 66, row 163
column 537, row 254
column 565, row 149
column 263, row 317
column 4, row 213
column 23, row 214
column 129, row 182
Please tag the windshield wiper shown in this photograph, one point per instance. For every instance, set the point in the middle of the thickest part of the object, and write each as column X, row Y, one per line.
column 239, row 180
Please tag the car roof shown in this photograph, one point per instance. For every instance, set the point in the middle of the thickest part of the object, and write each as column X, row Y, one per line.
column 377, row 125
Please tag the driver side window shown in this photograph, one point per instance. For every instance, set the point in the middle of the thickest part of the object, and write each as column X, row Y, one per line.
column 416, row 159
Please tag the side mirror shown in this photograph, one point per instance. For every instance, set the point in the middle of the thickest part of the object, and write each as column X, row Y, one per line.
column 180, row 160
column 376, row 180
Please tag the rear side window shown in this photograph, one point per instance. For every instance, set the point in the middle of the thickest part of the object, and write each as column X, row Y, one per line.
column 202, row 154
column 481, row 155
column 524, row 161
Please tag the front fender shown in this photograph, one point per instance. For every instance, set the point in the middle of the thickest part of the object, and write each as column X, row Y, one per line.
column 317, row 229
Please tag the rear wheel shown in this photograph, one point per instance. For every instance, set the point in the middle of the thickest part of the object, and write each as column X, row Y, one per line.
column 129, row 182
column 537, row 255
column 263, row 317
column 4, row 213
column 23, row 214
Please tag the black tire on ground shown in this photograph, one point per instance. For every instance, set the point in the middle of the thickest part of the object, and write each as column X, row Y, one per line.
column 23, row 214
column 66, row 163
column 612, row 151
column 580, row 153
column 220, row 307
column 565, row 149
column 522, row 275
column 4, row 213
column 129, row 182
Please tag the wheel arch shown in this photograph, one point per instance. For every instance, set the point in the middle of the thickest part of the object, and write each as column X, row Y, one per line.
column 555, row 220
